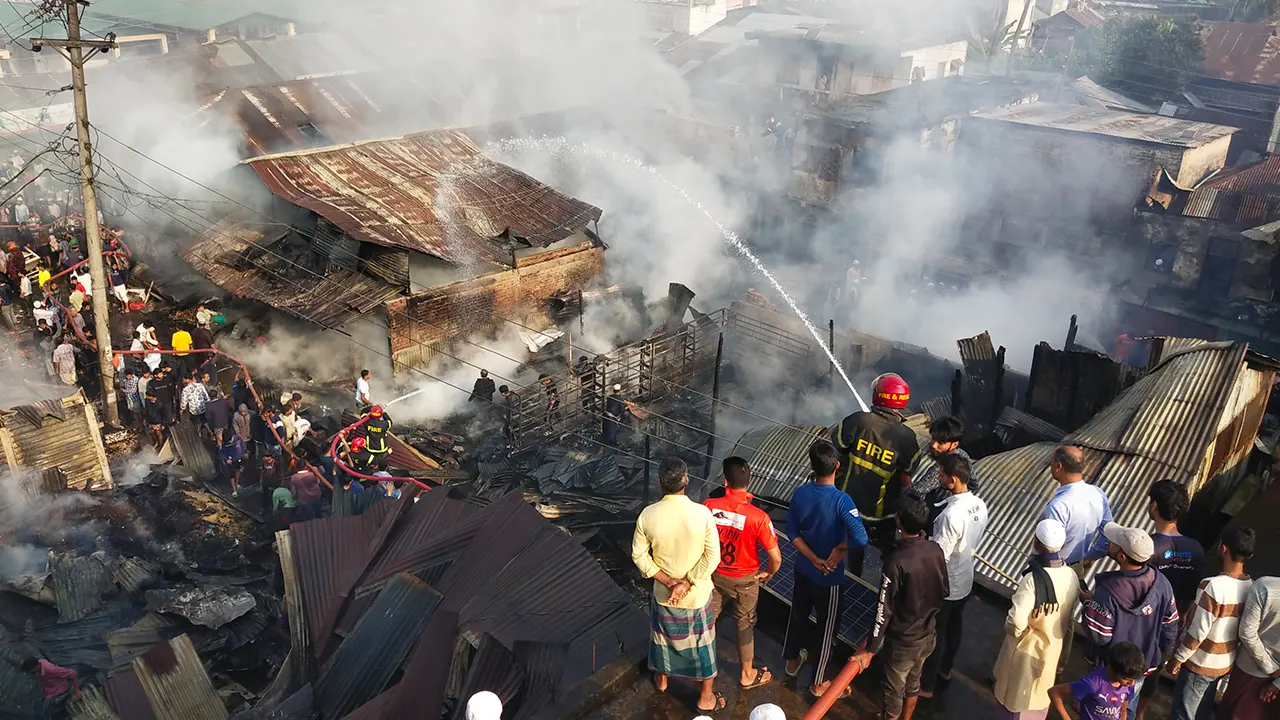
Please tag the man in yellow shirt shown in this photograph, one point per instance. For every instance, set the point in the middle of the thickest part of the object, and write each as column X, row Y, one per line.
column 676, row 543
column 181, row 343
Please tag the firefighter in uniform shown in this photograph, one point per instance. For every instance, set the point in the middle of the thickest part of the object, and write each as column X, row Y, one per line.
column 376, row 430
column 358, row 457
column 880, row 455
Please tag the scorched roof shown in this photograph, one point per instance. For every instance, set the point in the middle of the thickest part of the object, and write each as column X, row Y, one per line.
column 432, row 192
column 1156, row 129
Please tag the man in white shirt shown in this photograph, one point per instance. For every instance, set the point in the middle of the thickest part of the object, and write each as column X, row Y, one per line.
column 957, row 531
column 362, row 390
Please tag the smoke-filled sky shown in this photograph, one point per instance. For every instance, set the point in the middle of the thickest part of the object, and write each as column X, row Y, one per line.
column 501, row 60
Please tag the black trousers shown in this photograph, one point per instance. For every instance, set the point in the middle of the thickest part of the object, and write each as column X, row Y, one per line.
column 949, row 631
column 828, row 604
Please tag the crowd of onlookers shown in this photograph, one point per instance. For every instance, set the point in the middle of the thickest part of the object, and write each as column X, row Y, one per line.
column 1218, row 636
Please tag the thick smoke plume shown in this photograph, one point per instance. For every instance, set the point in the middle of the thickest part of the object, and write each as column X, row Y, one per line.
column 498, row 61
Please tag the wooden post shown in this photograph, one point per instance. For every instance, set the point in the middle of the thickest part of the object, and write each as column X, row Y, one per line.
column 715, row 403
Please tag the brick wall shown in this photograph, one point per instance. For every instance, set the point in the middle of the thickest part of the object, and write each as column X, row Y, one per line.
column 420, row 322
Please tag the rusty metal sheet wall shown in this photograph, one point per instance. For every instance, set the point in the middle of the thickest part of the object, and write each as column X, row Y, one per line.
column 433, row 192
column 184, row 692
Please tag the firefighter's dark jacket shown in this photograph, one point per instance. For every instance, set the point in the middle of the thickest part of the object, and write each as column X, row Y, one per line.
column 376, row 430
column 877, row 452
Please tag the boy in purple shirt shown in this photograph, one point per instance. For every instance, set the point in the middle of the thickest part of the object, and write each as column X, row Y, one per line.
column 1105, row 693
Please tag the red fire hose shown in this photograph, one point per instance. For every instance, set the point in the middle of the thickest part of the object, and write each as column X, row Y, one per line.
column 850, row 671
column 333, row 450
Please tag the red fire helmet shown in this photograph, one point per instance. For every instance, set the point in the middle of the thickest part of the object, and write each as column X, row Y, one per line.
column 890, row 391
column 357, row 444
column 375, row 411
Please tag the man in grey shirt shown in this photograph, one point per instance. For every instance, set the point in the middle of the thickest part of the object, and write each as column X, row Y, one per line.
column 945, row 433
column 1255, row 680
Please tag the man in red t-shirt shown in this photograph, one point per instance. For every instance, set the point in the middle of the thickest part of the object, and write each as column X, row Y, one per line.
column 743, row 528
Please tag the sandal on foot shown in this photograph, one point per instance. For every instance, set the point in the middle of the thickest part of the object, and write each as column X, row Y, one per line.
column 804, row 657
column 843, row 693
column 763, row 677
column 720, row 705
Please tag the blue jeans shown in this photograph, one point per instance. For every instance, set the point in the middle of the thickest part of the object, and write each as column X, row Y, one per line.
column 1195, row 697
column 1133, row 699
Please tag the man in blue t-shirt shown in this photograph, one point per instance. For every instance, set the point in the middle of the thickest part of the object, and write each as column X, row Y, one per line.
column 823, row 525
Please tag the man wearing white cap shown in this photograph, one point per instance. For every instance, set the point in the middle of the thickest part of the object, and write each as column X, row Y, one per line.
column 615, row 409
column 1034, row 630
column 484, row 705
column 768, row 711
column 1133, row 604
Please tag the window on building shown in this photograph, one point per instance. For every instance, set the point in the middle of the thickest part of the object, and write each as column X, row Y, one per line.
column 942, row 69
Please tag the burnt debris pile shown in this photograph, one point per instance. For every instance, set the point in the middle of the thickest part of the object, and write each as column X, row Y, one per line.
column 155, row 579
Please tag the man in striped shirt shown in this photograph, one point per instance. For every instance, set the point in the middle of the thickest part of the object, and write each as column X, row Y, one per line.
column 1207, row 650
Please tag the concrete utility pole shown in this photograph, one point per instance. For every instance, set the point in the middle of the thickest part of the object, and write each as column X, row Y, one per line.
column 73, row 47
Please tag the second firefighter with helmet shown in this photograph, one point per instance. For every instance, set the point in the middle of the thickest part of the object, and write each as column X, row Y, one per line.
column 878, row 454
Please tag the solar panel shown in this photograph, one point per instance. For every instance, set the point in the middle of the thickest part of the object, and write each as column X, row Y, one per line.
column 859, row 598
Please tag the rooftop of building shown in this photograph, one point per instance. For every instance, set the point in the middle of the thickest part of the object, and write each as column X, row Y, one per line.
column 1247, row 52
column 1156, row 129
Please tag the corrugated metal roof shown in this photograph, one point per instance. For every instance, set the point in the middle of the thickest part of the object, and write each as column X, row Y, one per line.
column 1244, row 52
column 1091, row 93
column 428, row 668
column 366, row 660
column 766, row 451
column 433, row 192
column 190, row 450
column 322, row 550
column 126, row 697
column 501, row 568
column 78, row 581
column 176, row 684
column 72, row 445
column 1159, row 428
column 1112, row 123
column 1170, row 415
column 341, row 296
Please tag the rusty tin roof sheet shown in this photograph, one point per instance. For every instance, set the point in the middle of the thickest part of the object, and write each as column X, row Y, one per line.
column 1244, row 52
column 175, row 683
column 432, row 192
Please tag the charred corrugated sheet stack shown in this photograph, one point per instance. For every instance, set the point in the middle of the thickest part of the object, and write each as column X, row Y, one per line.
column 452, row 597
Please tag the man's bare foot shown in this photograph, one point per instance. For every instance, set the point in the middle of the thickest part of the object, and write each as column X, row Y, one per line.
column 820, row 688
column 711, row 703
column 660, row 683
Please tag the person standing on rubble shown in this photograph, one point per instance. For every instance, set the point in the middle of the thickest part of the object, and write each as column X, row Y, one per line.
column 553, row 400
column 64, row 361
column 585, row 371
column 676, row 544
column 743, row 528
column 194, row 401
column 306, row 492
column 56, row 685
column 181, row 344
column 510, row 405
column 616, row 411
column 158, row 416
column 231, row 453
column 879, row 455
column 483, row 389
column 242, row 425
column 362, row 391
column 275, row 494
column 377, row 431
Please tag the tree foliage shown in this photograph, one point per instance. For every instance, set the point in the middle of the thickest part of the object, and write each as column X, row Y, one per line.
column 1254, row 10
column 1149, row 54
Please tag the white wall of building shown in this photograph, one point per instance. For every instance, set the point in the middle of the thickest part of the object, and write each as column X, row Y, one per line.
column 682, row 16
